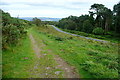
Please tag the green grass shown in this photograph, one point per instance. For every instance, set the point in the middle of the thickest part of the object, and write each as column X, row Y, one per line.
column 111, row 36
column 16, row 66
column 14, row 63
column 92, row 59
column 46, row 59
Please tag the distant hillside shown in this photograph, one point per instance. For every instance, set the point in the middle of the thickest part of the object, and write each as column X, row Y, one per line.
column 42, row 18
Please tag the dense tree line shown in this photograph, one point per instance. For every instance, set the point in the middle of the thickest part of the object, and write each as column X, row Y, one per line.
column 13, row 29
column 100, row 20
column 50, row 22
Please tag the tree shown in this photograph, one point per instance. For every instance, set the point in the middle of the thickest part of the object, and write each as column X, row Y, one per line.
column 91, row 18
column 71, row 25
column 104, row 16
column 87, row 26
column 37, row 21
column 81, row 20
column 116, row 10
column 67, row 23
column 107, row 14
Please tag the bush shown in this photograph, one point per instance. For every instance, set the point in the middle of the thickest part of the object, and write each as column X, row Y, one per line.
column 37, row 21
column 13, row 29
column 59, row 38
column 98, row 31
column 98, row 70
column 11, row 34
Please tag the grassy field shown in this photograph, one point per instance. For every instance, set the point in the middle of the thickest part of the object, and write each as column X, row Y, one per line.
column 91, row 59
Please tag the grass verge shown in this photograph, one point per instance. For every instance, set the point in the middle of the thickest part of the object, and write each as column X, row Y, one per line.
column 17, row 60
column 111, row 36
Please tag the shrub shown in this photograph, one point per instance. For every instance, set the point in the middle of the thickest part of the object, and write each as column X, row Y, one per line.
column 70, row 38
column 98, row 31
column 11, row 34
column 13, row 29
column 37, row 21
column 98, row 70
column 59, row 38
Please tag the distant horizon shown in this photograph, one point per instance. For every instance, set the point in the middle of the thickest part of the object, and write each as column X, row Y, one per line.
column 39, row 16
column 51, row 8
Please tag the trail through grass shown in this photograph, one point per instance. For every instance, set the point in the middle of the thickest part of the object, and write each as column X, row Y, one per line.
column 32, row 59
column 90, row 58
column 51, row 65
column 47, row 53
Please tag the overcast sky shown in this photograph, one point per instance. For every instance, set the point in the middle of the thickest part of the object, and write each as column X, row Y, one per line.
column 51, row 8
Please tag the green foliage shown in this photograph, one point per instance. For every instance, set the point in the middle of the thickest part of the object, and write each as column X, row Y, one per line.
column 82, row 23
column 6, row 18
column 67, row 23
column 98, row 70
column 73, row 22
column 87, row 26
column 103, row 16
column 98, row 31
column 59, row 38
column 110, row 36
column 101, row 65
column 37, row 21
column 13, row 29
column 117, row 17
column 106, row 19
column 12, row 32
column 50, row 23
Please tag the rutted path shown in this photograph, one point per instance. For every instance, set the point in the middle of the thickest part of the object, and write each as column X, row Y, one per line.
column 35, row 47
column 69, row 70
column 33, row 72
column 44, row 70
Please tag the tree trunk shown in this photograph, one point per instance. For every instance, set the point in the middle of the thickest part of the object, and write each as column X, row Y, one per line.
column 106, row 26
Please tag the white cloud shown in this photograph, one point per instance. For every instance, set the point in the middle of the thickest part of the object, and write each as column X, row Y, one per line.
column 52, row 8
